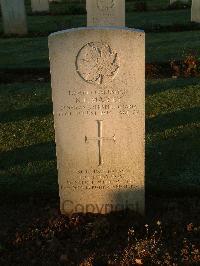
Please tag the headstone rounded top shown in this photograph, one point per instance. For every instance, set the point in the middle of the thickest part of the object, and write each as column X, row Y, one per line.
column 96, row 29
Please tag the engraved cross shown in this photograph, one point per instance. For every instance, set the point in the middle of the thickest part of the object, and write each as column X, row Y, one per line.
column 100, row 140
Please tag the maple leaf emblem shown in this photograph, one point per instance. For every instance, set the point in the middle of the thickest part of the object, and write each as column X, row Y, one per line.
column 97, row 63
column 105, row 4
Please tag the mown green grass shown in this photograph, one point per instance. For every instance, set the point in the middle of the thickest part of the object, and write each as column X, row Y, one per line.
column 28, row 161
column 21, row 53
column 27, row 140
column 162, row 47
column 173, row 130
column 143, row 20
column 65, row 5
column 16, row 53
column 151, row 19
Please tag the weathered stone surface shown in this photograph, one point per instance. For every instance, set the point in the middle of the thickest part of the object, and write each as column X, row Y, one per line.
column 98, row 81
column 14, row 17
column 195, row 11
column 105, row 12
column 40, row 5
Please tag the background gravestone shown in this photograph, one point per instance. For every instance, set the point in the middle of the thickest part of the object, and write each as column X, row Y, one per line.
column 195, row 11
column 105, row 12
column 98, row 97
column 14, row 17
column 40, row 5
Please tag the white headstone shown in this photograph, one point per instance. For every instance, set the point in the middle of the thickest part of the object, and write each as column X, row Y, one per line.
column 40, row 5
column 14, row 16
column 105, row 12
column 195, row 11
column 98, row 80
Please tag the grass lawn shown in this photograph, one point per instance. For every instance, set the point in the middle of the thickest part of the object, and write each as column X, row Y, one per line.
column 16, row 53
column 162, row 47
column 140, row 20
column 67, row 5
column 148, row 20
column 28, row 164
column 143, row 20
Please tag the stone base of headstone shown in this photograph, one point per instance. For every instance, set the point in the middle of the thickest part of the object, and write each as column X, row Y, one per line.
column 195, row 11
column 98, row 84
column 40, row 5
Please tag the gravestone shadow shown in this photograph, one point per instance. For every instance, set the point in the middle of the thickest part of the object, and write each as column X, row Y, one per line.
column 26, row 113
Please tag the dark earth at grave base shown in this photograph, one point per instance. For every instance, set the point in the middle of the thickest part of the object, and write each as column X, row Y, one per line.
column 40, row 235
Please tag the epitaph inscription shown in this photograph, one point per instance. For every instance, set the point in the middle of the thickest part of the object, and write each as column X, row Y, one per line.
column 97, row 63
column 100, row 179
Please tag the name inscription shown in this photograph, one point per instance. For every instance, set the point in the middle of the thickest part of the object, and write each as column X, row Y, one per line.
column 97, row 102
